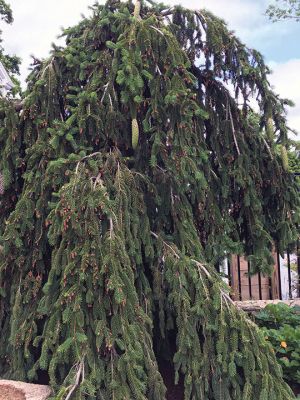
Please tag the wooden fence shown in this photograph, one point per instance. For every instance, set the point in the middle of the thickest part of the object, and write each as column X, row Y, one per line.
column 283, row 284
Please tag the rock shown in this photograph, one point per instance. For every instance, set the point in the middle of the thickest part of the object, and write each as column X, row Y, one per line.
column 9, row 392
column 13, row 390
column 257, row 305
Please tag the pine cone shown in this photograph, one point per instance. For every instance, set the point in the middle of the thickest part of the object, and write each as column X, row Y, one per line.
column 270, row 129
column 284, row 157
column 135, row 133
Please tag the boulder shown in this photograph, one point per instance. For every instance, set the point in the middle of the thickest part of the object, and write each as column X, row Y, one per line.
column 13, row 390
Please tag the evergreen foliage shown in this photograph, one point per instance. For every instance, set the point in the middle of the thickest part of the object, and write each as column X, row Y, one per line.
column 129, row 172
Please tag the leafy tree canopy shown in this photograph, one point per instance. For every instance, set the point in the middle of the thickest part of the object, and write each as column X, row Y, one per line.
column 284, row 9
column 131, row 169
column 6, row 12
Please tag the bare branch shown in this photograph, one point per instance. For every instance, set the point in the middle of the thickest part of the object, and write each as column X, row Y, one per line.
column 233, row 132
column 79, row 374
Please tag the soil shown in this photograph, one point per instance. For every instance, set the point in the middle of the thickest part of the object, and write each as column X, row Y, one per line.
column 295, row 387
column 174, row 392
column 10, row 393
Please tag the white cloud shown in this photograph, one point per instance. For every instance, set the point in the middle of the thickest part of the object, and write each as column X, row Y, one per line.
column 246, row 17
column 37, row 24
column 286, row 82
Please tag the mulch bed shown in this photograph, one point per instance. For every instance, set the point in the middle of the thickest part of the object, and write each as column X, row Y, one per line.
column 10, row 393
column 295, row 387
column 174, row 392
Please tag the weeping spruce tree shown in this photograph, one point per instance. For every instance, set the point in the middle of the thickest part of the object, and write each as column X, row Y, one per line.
column 134, row 165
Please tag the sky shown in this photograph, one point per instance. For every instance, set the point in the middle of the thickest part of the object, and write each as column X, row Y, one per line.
column 38, row 23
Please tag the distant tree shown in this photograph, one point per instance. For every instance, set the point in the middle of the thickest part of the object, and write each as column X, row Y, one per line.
column 284, row 9
column 11, row 63
column 6, row 12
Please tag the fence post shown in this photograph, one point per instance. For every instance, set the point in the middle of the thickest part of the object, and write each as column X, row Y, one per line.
column 249, row 280
column 239, row 277
column 279, row 275
column 289, row 275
